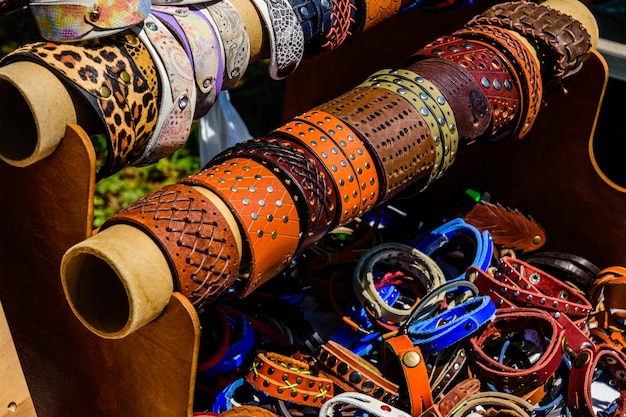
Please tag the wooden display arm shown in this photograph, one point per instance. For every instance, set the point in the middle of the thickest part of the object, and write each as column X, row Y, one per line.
column 69, row 371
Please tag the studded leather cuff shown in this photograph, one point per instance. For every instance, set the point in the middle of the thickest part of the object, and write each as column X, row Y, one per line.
column 265, row 211
column 194, row 236
column 397, row 137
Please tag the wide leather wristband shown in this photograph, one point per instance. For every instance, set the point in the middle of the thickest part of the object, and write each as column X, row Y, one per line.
column 289, row 379
column 468, row 101
column 405, row 363
column 517, row 283
column 534, row 327
column 352, row 373
column 495, row 75
column 194, row 235
column 302, row 174
column 524, row 64
column 264, row 209
column 562, row 42
column 337, row 165
column 392, row 257
column 388, row 124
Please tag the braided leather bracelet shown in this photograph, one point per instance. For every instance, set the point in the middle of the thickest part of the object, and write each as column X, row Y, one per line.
column 562, row 42
column 195, row 235
column 289, row 379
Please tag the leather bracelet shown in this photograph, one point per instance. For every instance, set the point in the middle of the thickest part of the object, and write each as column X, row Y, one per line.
column 312, row 191
column 469, row 103
column 127, row 110
column 386, row 122
column 453, row 399
column 342, row 18
column 426, row 111
column 502, row 402
column 377, row 11
column 572, row 269
column 458, row 231
column 365, row 403
column 285, row 35
column 235, row 40
column 337, row 164
column 524, row 64
column 355, row 151
column 430, row 96
column 562, row 42
column 86, row 19
column 517, row 283
column 449, row 365
column 584, row 372
column 289, row 379
column 496, row 77
column 352, row 373
column 398, row 257
column 605, row 294
column 204, row 48
column 405, row 362
column 247, row 411
column 178, row 92
column 264, row 209
column 534, row 326
column 195, row 237
column 309, row 16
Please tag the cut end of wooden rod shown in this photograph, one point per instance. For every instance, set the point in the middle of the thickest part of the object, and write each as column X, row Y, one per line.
column 35, row 112
column 116, row 281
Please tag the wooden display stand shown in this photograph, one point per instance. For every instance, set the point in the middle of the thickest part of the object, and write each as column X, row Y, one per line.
column 47, row 208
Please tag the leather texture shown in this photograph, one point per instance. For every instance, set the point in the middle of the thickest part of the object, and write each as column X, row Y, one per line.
column 562, row 41
column 265, row 210
column 194, row 236
column 395, row 133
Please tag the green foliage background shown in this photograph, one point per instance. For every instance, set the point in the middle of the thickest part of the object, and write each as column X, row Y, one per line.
column 257, row 98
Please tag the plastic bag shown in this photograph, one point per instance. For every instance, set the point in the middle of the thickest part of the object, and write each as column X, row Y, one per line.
column 221, row 128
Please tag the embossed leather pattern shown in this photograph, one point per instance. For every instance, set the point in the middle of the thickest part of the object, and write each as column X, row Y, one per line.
column 193, row 234
column 397, row 136
column 235, row 40
column 377, row 11
column 563, row 43
column 342, row 22
column 525, row 66
column 265, row 210
column 311, row 189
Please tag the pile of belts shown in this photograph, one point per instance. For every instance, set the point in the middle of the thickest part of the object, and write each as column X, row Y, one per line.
column 455, row 321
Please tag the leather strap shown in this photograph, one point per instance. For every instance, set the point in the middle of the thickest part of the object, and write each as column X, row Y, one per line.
column 524, row 64
column 178, row 92
column 468, row 101
column 388, row 124
column 352, row 373
column 247, row 411
column 194, row 235
column 562, row 42
column 572, row 269
column 265, row 211
column 203, row 46
column 449, row 364
column 403, row 360
column 496, row 77
column 354, row 150
column 494, row 404
column 285, row 35
column 365, row 403
column 342, row 18
column 453, row 399
column 337, row 165
column 289, row 379
column 235, row 40
column 415, row 267
column 86, row 19
column 517, row 283
column 312, row 190
column 127, row 110
column 377, row 11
